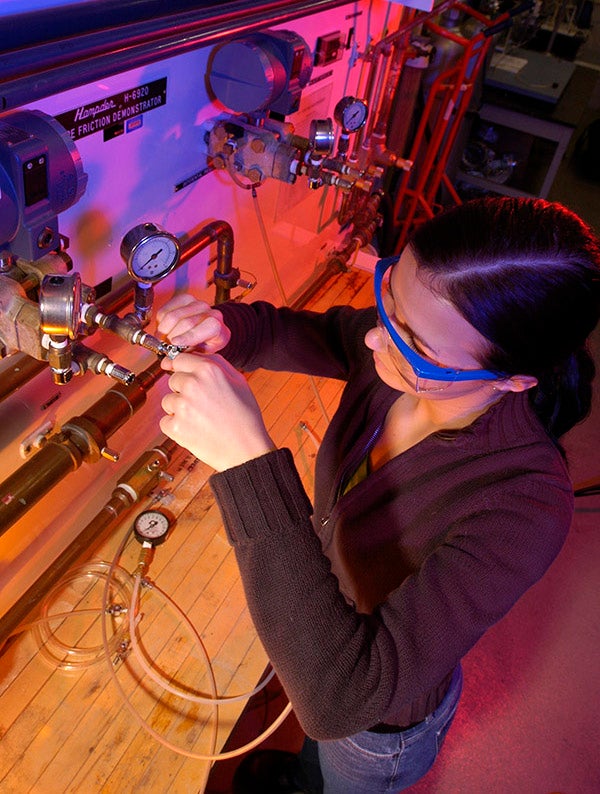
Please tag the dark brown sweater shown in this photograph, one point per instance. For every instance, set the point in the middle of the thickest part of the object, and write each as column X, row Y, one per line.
column 366, row 608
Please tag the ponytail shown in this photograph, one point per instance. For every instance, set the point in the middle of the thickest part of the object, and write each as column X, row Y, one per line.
column 563, row 398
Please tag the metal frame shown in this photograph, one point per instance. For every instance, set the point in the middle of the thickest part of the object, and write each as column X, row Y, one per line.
column 530, row 125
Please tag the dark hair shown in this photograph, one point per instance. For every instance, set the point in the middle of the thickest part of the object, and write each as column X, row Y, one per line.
column 526, row 274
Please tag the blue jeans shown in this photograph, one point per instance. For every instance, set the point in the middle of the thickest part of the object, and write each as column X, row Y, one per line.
column 381, row 763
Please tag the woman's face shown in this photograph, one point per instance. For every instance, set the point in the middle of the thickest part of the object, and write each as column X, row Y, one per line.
column 432, row 327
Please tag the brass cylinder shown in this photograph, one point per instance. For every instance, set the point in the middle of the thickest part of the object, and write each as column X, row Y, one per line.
column 81, row 439
column 20, row 491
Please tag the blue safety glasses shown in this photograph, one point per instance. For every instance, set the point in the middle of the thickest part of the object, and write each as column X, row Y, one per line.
column 421, row 367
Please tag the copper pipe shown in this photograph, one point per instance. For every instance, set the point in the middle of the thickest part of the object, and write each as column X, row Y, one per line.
column 82, row 439
column 361, row 234
column 23, row 368
column 30, row 482
column 221, row 233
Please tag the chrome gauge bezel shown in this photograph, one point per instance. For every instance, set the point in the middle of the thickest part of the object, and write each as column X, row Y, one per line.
column 147, row 263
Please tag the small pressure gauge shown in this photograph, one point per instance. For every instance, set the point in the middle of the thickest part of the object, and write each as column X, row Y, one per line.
column 60, row 304
column 351, row 113
column 149, row 252
column 151, row 527
column 321, row 136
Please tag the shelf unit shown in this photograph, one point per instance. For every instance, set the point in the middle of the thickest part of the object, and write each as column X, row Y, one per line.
column 536, row 145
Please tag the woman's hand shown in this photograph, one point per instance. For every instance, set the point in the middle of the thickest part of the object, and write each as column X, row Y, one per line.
column 212, row 412
column 189, row 322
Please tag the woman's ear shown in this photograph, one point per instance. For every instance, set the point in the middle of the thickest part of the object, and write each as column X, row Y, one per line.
column 516, row 383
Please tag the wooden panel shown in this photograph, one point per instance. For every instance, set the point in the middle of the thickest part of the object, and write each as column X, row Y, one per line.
column 70, row 730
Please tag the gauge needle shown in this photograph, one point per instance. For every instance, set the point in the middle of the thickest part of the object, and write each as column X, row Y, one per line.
column 153, row 257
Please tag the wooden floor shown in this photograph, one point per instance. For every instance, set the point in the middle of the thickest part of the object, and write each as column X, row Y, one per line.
column 72, row 727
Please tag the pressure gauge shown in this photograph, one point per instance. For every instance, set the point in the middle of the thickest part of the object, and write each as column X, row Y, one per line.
column 60, row 304
column 321, row 136
column 149, row 252
column 351, row 113
column 151, row 527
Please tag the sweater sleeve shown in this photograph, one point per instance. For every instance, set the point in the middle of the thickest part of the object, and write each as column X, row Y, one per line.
column 344, row 670
column 329, row 344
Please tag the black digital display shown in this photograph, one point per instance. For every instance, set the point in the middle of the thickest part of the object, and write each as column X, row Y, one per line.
column 35, row 180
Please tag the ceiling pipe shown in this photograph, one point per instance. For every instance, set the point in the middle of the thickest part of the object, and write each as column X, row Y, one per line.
column 33, row 68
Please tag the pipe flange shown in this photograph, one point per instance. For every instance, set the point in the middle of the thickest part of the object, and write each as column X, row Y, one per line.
column 87, row 437
column 65, row 443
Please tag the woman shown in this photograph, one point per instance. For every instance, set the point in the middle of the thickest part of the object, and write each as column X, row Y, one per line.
column 441, row 491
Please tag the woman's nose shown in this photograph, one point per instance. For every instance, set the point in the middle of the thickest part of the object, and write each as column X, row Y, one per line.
column 374, row 339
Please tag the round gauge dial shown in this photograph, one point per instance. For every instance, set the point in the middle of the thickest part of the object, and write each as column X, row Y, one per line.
column 149, row 252
column 351, row 113
column 151, row 526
